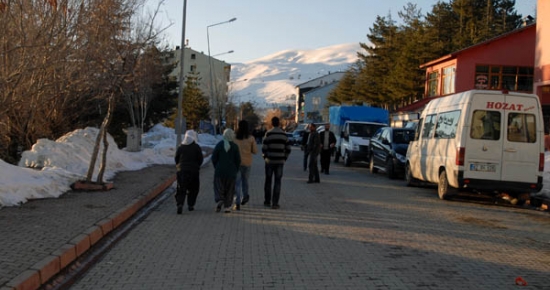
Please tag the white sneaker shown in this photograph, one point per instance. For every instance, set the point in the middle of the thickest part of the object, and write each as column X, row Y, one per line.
column 227, row 210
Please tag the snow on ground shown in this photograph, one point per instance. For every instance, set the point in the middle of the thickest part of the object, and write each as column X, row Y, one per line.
column 50, row 167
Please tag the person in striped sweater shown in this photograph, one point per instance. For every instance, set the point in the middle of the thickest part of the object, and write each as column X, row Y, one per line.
column 275, row 151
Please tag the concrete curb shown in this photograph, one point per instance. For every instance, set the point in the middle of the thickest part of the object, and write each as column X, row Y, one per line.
column 41, row 272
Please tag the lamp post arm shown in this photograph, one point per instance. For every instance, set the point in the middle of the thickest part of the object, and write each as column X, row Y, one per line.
column 215, row 105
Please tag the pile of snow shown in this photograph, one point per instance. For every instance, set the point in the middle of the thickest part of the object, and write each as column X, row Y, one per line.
column 50, row 167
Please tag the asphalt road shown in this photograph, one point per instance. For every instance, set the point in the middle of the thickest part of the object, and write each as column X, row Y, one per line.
column 354, row 230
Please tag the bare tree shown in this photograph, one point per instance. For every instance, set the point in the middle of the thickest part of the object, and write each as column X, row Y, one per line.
column 64, row 63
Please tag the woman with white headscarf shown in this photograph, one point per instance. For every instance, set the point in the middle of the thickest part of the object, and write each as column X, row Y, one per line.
column 188, row 163
column 226, row 158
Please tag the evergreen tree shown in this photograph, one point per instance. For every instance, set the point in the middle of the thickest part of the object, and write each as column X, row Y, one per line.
column 371, row 84
column 440, row 27
column 195, row 105
column 344, row 93
column 405, row 79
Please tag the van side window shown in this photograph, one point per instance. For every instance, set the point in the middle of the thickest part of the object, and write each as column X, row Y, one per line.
column 446, row 125
column 418, row 129
column 522, row 128
column 485, row 125
column 428, row 127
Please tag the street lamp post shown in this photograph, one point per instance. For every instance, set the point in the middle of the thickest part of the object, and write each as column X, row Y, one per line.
column 231, row 51
column 215, row 101
column 180, row 96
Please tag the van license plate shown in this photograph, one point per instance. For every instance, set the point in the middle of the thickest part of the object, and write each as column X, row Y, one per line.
column 483, row 167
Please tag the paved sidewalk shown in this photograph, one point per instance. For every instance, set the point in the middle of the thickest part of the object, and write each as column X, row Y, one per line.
column 41, row 237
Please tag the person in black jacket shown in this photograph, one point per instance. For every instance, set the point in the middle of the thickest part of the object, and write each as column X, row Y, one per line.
column 313, row 149
column 328, row 141
column 188, row 159
column 226, row 158
column 305, row 137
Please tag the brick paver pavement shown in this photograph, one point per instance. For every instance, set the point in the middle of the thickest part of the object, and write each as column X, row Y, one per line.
column 354, row 230
column 39, row 237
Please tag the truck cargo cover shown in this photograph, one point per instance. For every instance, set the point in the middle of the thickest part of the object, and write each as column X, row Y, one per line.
column 338, row 115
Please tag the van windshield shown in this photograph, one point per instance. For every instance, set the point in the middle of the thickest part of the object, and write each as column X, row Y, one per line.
column 363, row 130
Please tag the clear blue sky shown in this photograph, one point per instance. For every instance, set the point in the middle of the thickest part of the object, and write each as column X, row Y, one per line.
column 264, row 27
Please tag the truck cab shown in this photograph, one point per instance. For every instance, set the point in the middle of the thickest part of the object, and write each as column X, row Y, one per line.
column 352, row 143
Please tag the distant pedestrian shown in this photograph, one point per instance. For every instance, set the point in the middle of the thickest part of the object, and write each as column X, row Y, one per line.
column 188, row 159
column 247, row 147
column 328, row 141
column 304, row 147
column 275, row 151
column 313, row 148
column 227, row 161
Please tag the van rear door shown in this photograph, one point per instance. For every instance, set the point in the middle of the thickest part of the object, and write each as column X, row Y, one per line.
column 504, row 138
column 522, row 139
column 483, row 148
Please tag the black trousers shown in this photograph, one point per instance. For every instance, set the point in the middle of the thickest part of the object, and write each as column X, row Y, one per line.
column 313, row 168
column 325, row 160
column 188, row 185
column 225, row 187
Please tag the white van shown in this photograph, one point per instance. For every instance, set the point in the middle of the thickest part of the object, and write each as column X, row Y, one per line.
column 487, row 141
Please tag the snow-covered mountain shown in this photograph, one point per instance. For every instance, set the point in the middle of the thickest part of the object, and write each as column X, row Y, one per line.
column 272, row 79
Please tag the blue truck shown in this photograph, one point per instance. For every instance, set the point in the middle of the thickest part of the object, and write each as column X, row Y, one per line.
column 353, row 127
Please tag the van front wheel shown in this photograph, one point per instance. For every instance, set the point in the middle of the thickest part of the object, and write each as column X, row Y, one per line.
column 444, row 190
column 411, row 181
column 347, row 159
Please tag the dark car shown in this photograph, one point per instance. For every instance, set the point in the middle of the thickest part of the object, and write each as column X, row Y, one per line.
column 388, row 149
column 298, row 135
column 291, row 138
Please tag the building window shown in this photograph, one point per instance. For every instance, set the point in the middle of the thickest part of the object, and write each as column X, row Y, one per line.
column 193, row 68
column 315, row 102
column 432, row 84
column 513, row 78
column 448, row 80
column 193, row 56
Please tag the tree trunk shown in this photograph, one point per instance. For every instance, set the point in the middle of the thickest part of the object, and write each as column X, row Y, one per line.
column 107, row 122
column 93, row 158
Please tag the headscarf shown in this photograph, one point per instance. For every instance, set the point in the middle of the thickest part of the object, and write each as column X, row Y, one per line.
column 228, row 136
column 190, row 137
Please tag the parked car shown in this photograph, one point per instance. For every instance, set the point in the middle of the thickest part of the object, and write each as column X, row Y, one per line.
column 291, row 138
column 388, row 149
column 298, row 136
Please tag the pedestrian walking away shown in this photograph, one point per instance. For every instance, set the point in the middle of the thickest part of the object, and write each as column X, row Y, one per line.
column 328, row 141
column 304, row 147
column 275, row 151
column 313, row 148
column 188, row 163
column 247, row 147
column 227, row 161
